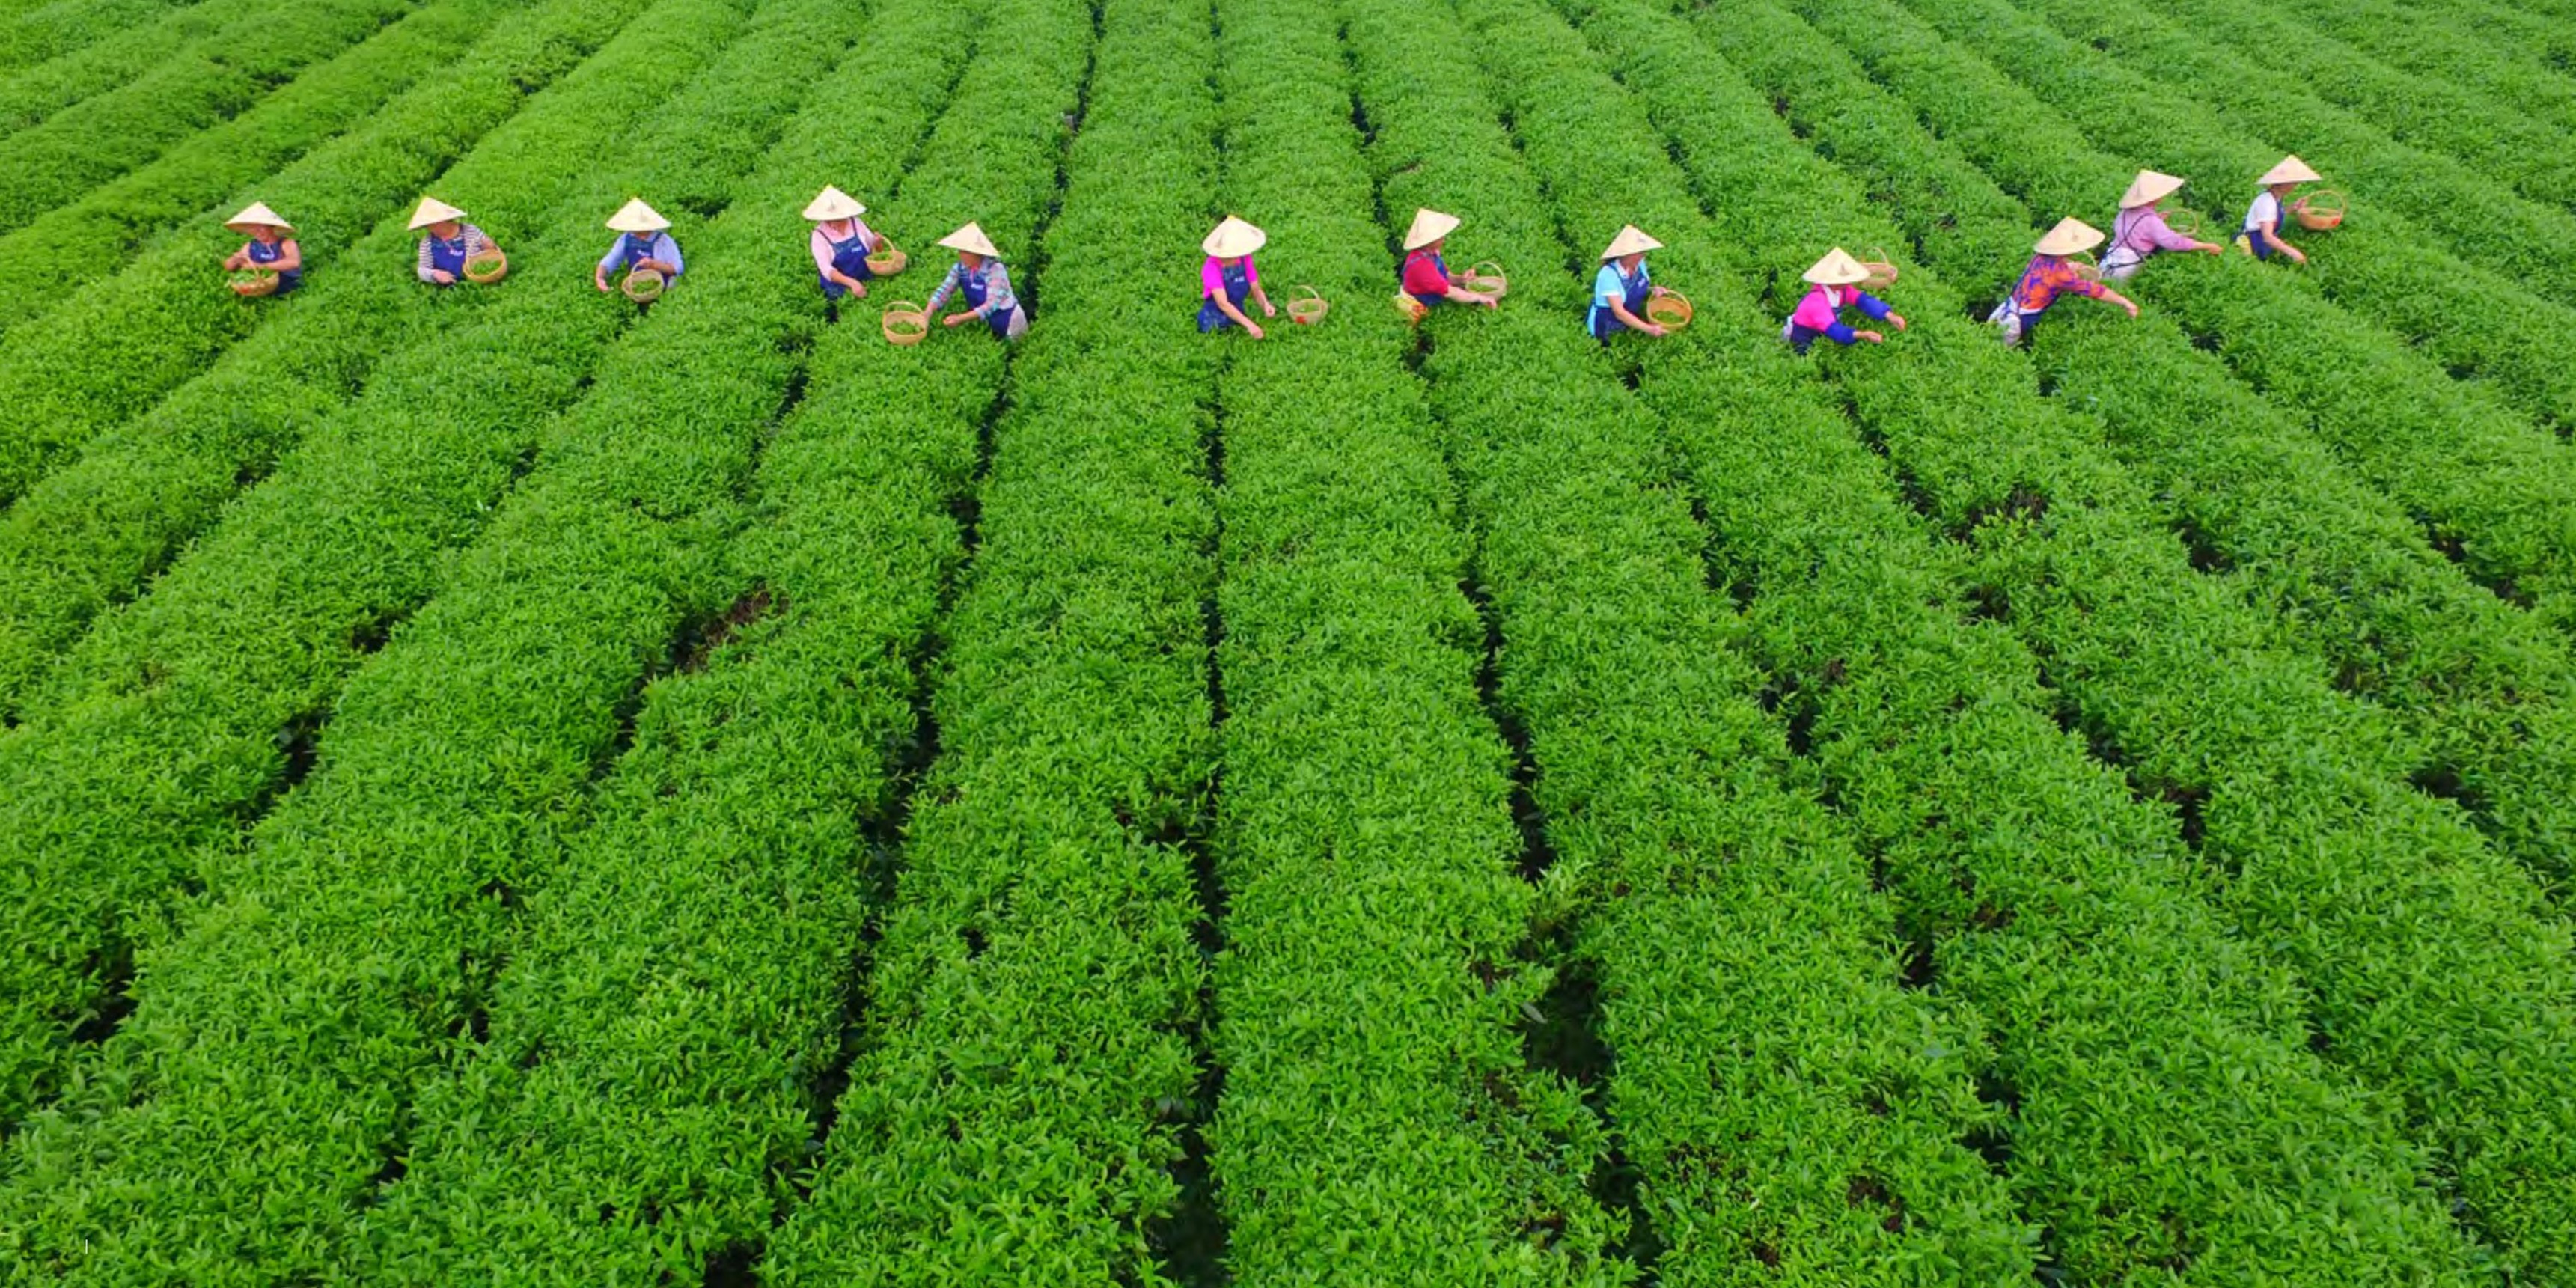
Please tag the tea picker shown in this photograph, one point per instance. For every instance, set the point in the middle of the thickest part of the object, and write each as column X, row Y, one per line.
column 2140, row 229
column 1425, row 279
column 269, row 263
column 2052, row 272
column 1623, row 286
column 1228, row 277
column 1834, row 284
column 2261, row 235
column 841, row 246
column 452, row 250
column 985, row 285
column 643, row 251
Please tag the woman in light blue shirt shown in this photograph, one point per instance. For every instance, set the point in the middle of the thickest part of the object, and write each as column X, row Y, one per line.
column 1622, row 287
column 643, row 241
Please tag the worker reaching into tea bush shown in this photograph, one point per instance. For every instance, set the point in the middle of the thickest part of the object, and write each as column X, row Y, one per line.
column 2140, row 230
column 841, row 246
column 1835, row 285
column 2053, row 272
column 1425, row 280
column 979, row 277
column 2261, row 235
column 643, row 251
column 448, row 244
column 270, row 263
column 1622, row 287
column 1228, row 278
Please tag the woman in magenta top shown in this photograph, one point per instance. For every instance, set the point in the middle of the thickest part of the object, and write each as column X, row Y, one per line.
column 1228, row 278
column 2141, row 230
column 1426, row 274
column 1836, row 283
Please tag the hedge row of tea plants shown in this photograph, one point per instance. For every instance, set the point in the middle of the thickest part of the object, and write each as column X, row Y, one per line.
column 1379, row 1122
column 87, row 534
column 257, row 1100
column 2131, row 1032
column 67, row 248
column 50, row 31
column 1012, row 1114
column 1779, row 1102
column 186, row 709
column 2488, row 485
column 30, row 94
column 87, row 145
column 2346, row 570
column 116, row 348
column 665, row 1039
column 2439, row 974
column 2520, row 53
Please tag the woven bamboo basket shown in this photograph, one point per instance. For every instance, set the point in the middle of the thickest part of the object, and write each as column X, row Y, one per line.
column 1882, row 272
column 2186, row 222
column 643, row 286
column 2086, row 266
column 2319, row 210
column 252, row 283
column 888, row 262
column 487, row 267
column 1306, row 306
column 1672, row 310
column 1486, row 279
column 904, row 322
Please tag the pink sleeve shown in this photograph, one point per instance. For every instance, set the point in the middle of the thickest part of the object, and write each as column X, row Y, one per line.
column 1816, row 312
column 2161, row 234
column 822, row 248
column 1251, row 271
column 1211, row 278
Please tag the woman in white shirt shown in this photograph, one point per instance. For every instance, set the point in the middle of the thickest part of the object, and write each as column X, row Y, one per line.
column 2262, row 232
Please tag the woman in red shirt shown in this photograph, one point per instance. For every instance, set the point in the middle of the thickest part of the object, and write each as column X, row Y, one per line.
column 1426, row 275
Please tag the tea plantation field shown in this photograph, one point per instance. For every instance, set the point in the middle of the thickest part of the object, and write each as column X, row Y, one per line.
column 500, row 786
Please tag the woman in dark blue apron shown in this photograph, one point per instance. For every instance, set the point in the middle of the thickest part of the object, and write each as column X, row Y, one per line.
column 1622, row 287
column 979, row 278
column 269, row 247
column 1228, row 278
column 2261, row 234
column 643, row 242
column 447, row 241
column 840, row 245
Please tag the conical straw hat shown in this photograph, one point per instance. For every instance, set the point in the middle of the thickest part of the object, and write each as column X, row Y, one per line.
column 1233, row 239
column 1838, row 268
column 2291, row 170
column 2069, row 236
column 2149, row 187
column 1631, row 240
column 832, row 203
column 257, row 213
column 971, row 238
column 432, row 210
column 1428, row 226
column 636, row 217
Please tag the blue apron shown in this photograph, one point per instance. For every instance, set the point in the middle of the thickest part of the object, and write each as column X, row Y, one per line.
column 1238, row 287
column 971, row 286
column 849, row 258
column 631, row 251
column 269, row 253
column 1437, row 261
column 447, row 254
column 2262, row 247
column 1633, row 291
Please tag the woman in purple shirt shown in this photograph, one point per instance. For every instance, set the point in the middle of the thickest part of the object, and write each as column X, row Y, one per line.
column 2140, row 229
column 1228, row 278
column 840, row 245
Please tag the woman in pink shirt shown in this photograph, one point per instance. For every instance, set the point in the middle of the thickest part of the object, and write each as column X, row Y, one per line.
column 1228, row 278
column 841, row 246
column 1836, row 280
column 2140, row 229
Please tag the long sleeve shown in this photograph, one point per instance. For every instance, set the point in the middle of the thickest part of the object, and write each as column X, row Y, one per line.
column 1871, row 305
column 616, row 251
column 1842, row 333
column 997, row 290
column 947, row 287
column 2160, row 235
column 668, row 251
column 420, row 264
column 821, row 246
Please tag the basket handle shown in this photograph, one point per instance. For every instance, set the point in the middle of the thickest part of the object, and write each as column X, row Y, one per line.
column 912, row 307
column 1478, row 269
column 1301, row 293
column 2324, row 201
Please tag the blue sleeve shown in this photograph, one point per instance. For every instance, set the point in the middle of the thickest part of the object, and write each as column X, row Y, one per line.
column 1875, row 307
column 1606, row 287
column 1841, row 333
column 609, row 260
column 665, row 248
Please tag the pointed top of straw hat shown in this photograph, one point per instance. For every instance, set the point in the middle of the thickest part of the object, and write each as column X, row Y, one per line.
column 431, row 211
column 832, row 203
column 2068, row 237
column 1233, row 239
column 1429, row 226
column 2148, row 188
column 2291, row 170
column 1630, row 241
column 1837, row 268
column 257, row 214
column 971, row 238
column 636, row 217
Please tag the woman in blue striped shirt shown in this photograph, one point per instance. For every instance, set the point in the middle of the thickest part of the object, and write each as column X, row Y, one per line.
column 979, row 277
